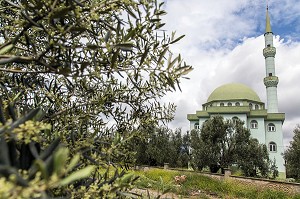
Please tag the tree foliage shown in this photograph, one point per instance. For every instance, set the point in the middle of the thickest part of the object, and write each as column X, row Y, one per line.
column 89, row 62
column 162, row 146
column 292, row 155
column 96, row 71
column 222, row 143
column 254, row 159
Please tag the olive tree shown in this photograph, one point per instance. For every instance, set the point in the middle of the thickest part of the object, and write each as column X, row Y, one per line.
column 291, row 155
column 95, row 69
column 222, row 143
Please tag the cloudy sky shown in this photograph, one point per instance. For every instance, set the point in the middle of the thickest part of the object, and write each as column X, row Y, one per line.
column 224, row 42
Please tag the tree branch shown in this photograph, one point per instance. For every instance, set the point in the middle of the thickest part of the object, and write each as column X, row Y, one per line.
column 21, row 71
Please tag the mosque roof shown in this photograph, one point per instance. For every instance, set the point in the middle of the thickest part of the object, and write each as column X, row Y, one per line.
column 233, row 91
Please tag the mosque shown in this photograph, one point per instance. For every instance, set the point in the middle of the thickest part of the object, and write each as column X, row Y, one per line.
column 237, row 100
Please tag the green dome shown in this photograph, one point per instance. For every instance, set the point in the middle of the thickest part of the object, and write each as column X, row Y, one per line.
column 233, row 91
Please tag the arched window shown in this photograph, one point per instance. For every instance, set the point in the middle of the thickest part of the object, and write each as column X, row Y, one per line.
column 253, row 124
column 235, row 119
column 272, row 147
column 250, row 106
column 237, row 104
column 221, row 104
column 196, row 126
column 256, row 107
column 229, row 104
column 271, row 127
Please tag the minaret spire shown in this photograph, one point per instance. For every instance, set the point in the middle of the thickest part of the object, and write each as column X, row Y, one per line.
column 268, row 24
column 271, row 80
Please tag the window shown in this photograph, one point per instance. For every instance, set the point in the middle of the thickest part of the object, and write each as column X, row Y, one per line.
column 256, row 107
column 270, row 74
column 229, row 104
column 250, row 106
column 271, row 127
column 221, row 104
column 237, row 104
column 235, row 119
column 253, row 124
column 272, row 147
column 196, row 126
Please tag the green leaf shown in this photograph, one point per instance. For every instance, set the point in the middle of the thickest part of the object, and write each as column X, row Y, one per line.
column 42, row 167
column 144, row 56
column 172, row 62
column 6, row 49
column 161, row 56
column 155, row 20
column 60, row 159
column 160, row 25
column 160, row 12
column 50, row 149
column 127, row 177
column 92, row 46
column 187, row 69
column 77, row 175
column 130, row 12
column 17, row 96
column 130, row 34
column 174, row 41
column 117, row 138
column 125, row 46
column 73, row 162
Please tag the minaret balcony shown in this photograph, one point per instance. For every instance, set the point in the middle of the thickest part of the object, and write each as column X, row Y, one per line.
column 269, row 51
column 271, row 81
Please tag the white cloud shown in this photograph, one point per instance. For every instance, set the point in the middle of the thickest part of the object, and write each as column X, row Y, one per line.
column 223, row 45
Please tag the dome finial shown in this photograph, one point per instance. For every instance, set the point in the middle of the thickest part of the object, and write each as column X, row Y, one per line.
column 268, row 24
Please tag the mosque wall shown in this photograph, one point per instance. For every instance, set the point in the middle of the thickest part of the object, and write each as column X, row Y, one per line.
column 259, row 132
column 277, row 138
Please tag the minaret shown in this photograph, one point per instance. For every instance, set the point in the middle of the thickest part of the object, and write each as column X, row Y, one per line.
column 271, row 80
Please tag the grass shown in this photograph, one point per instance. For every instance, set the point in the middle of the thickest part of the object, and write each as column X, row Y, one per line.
column 163, row 180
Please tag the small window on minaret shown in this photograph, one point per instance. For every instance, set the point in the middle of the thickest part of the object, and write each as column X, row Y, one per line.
column 269, row 45
column 270, row 74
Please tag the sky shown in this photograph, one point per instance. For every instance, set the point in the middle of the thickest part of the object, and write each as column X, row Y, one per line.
column 224, row 43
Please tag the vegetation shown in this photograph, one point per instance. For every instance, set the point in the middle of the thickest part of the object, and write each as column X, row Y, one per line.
column 78, row 80
column 222, row 143
column 162, row 180
column 292, row 156
column 162, row 146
